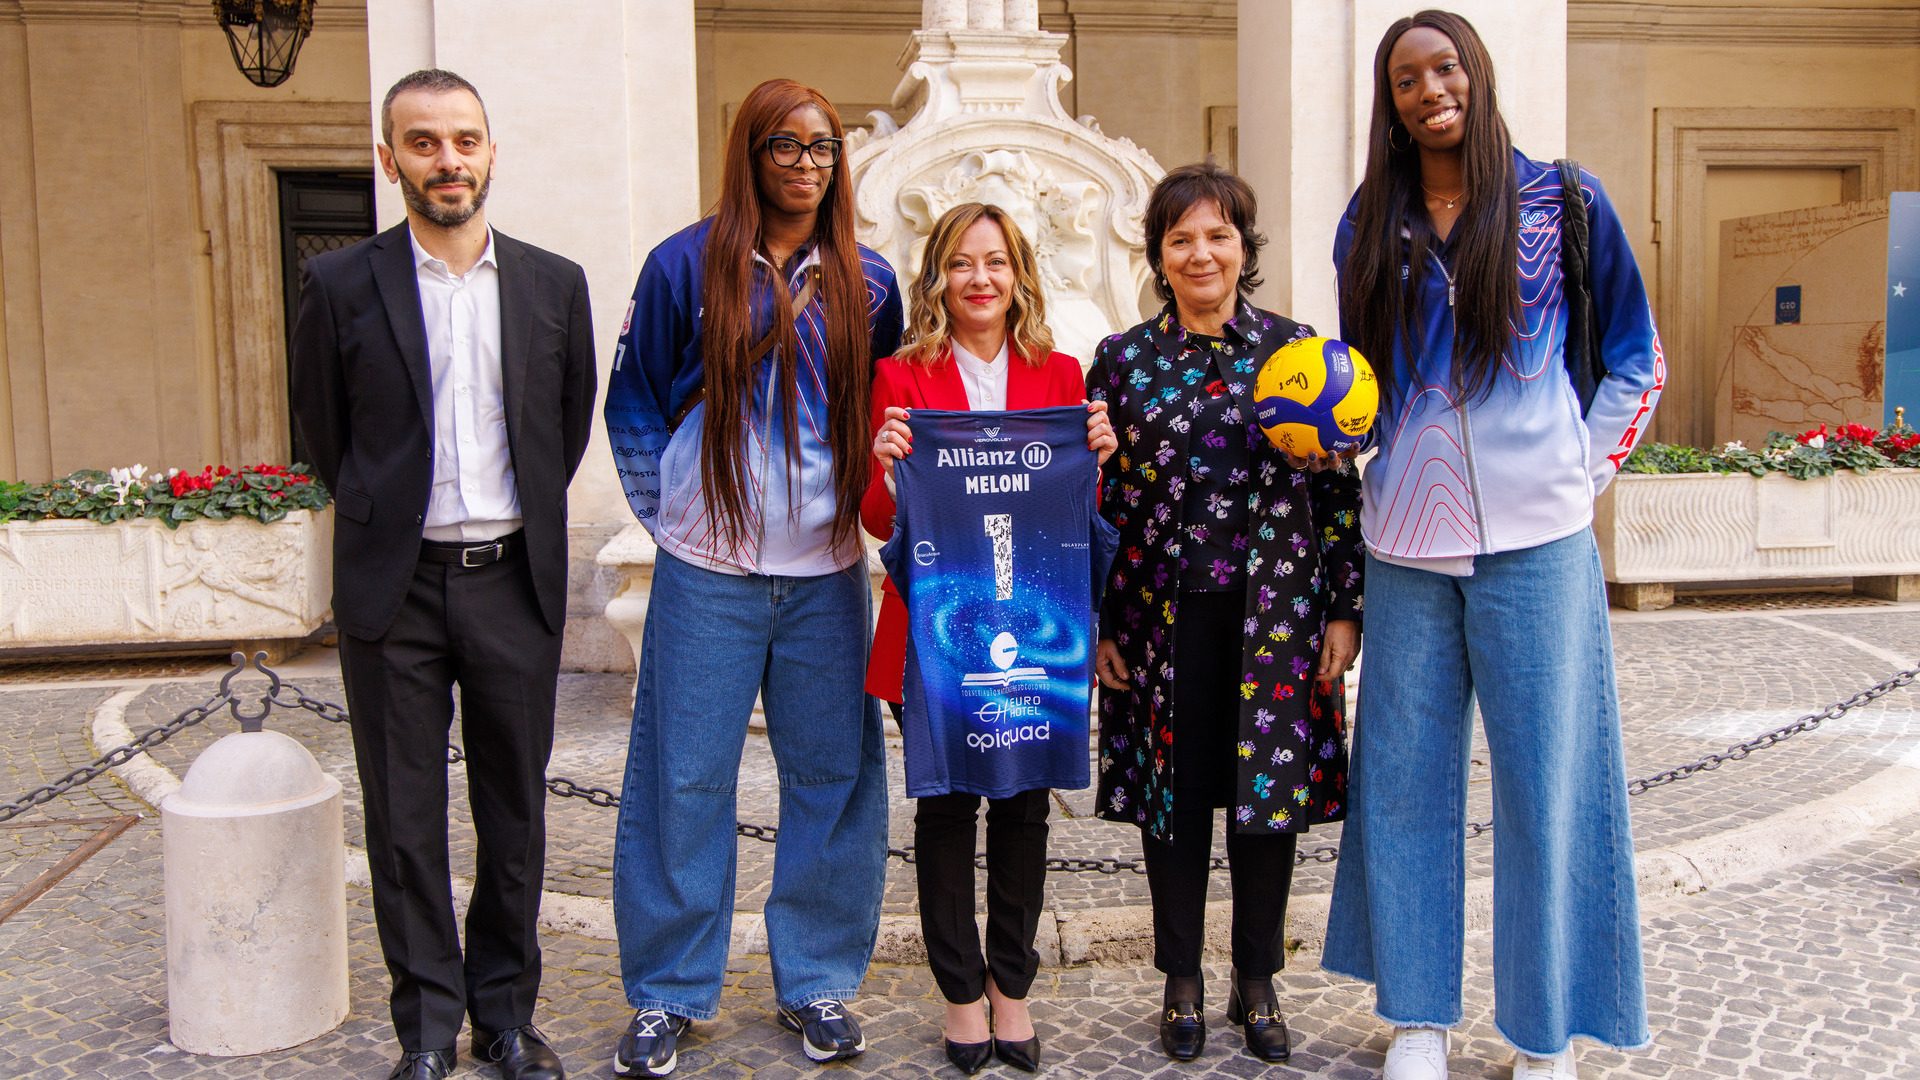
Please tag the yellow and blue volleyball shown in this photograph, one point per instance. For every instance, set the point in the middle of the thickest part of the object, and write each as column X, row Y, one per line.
column 1316, row 397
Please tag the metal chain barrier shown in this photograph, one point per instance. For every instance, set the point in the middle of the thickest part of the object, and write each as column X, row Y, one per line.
column 285, row 695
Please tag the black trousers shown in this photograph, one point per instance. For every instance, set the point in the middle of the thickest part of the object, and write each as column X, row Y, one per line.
column 1206, row 731
column 944, row 829
column 479, row 629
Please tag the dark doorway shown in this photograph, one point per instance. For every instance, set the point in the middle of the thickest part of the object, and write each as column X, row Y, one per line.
column 319, row 212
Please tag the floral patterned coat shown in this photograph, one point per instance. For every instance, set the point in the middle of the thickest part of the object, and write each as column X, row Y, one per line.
column 1303, row 569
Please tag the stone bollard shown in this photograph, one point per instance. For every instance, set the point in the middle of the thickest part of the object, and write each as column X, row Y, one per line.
column 256, row 899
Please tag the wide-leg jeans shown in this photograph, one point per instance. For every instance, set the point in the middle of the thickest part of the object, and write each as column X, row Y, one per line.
column 712, row 642
column 1527, row 635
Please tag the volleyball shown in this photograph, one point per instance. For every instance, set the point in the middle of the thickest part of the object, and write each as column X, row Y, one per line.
column 1316, row 397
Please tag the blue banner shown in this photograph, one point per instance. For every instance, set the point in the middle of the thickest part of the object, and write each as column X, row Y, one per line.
column 1903, row 307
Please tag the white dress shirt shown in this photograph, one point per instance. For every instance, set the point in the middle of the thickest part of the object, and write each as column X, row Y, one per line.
column 985, row 381
column 473, row 496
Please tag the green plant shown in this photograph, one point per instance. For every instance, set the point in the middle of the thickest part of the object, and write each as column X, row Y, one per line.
column 1810, row 454
column 264, row 493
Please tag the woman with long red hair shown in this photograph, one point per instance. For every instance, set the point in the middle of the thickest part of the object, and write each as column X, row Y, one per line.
column 737, row 413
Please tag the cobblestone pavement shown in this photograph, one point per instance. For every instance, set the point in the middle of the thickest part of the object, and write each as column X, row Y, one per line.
column 1811, row 972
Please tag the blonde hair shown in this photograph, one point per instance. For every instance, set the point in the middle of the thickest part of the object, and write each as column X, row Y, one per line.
column 930, row 329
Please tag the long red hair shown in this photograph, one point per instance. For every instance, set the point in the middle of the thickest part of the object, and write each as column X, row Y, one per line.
column 728, row 333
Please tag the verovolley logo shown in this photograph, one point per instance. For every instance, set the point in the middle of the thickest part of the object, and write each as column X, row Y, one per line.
column 991, row 434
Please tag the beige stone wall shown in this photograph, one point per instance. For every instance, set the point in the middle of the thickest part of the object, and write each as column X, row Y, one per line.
column 1762, row 69
column 1147, row 71
column 106, row 348
column 109, row 349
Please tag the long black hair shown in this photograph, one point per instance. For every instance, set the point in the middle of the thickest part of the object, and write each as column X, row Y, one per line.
column 1377, row 304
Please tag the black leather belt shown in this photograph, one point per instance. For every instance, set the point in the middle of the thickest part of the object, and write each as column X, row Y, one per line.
column 468, row 553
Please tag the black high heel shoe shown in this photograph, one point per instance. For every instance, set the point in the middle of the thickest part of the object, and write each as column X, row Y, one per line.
column 1183, row 1031
column 1023, row 1055
column 1252, row 1002
column 970, row 1058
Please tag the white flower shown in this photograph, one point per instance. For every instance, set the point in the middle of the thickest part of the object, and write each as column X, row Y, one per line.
column 1818, row 442
column 1734, row 445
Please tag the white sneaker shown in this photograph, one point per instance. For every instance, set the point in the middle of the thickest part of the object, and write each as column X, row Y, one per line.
column 1416, row 1054
column 1558, row 1067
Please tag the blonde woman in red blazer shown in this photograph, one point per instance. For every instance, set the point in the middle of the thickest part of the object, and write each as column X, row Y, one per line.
column 977, row 339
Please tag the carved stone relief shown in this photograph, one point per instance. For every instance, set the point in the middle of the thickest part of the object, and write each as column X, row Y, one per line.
column 83, row 583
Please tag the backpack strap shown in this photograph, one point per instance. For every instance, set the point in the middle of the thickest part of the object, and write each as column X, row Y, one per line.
column 760, row 348
column 1585, row 366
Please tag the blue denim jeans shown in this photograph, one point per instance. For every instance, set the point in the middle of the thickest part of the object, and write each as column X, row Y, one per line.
column 712, row 642
column 1527, row 636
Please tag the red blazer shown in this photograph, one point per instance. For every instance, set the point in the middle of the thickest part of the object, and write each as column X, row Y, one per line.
column 938, row 386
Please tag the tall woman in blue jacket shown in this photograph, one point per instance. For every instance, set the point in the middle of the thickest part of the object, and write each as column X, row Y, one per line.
column 1483, row 582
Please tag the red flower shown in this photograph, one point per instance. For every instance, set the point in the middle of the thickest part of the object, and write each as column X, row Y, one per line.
column 1858, row 433
column 1808, row 436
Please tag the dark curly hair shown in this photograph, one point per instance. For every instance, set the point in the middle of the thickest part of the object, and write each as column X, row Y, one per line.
column 1180, row 191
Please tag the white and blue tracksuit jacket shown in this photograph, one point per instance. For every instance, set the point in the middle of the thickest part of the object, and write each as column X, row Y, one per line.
column 1518, row 467
column 657, row 367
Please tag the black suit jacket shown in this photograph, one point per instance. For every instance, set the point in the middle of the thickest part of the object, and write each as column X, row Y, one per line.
column 363, row 397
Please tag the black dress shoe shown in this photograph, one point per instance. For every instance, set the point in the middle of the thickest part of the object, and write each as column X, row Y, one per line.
column 1182, row 1031
column 423, row 1065
column 970, row 1058
column 1252, row 1002
column 522, row 1053
column 1023, row 1055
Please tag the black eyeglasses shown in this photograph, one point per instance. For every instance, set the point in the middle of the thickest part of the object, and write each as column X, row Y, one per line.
column 786, row 151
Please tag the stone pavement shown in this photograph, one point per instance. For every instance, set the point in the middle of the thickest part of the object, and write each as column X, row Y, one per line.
column 1810, row 969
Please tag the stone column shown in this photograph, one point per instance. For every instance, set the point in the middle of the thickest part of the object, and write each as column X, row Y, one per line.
column 594, row 114
column 1306, row 91
column 943, row 14
column 986, row 15
column 256, row 899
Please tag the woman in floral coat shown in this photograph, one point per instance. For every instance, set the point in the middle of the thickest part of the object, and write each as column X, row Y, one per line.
column 1239, row 567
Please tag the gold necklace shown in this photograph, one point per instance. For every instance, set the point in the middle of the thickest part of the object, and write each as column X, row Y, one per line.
column 1448, row 199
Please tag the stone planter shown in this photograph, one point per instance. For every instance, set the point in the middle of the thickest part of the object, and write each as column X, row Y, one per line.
column 1656, row 531
column 138, row 583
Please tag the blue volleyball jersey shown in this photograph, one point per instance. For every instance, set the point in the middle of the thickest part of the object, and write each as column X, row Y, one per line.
column 1000, row 553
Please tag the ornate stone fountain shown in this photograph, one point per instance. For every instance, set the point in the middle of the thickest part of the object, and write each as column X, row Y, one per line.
column 982, row 84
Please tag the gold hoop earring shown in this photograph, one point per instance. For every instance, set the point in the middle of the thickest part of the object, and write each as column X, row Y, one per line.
column 1391, row 145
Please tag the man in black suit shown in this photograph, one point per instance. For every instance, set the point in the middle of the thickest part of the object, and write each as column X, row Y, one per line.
column 443, row 379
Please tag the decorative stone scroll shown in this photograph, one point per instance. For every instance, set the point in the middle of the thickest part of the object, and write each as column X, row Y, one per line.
column 138, row 582
column 983, row 84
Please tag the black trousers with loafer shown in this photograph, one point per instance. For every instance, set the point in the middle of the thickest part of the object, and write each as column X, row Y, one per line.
column 945, row 830
column 470, row 620
column 1206, row 723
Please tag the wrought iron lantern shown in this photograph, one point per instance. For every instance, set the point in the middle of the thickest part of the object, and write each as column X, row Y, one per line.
column 265, row 35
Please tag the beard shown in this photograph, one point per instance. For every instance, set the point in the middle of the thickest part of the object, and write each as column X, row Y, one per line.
column 447, row 217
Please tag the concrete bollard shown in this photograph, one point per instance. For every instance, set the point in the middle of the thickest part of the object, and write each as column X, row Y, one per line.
column 256, row 899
